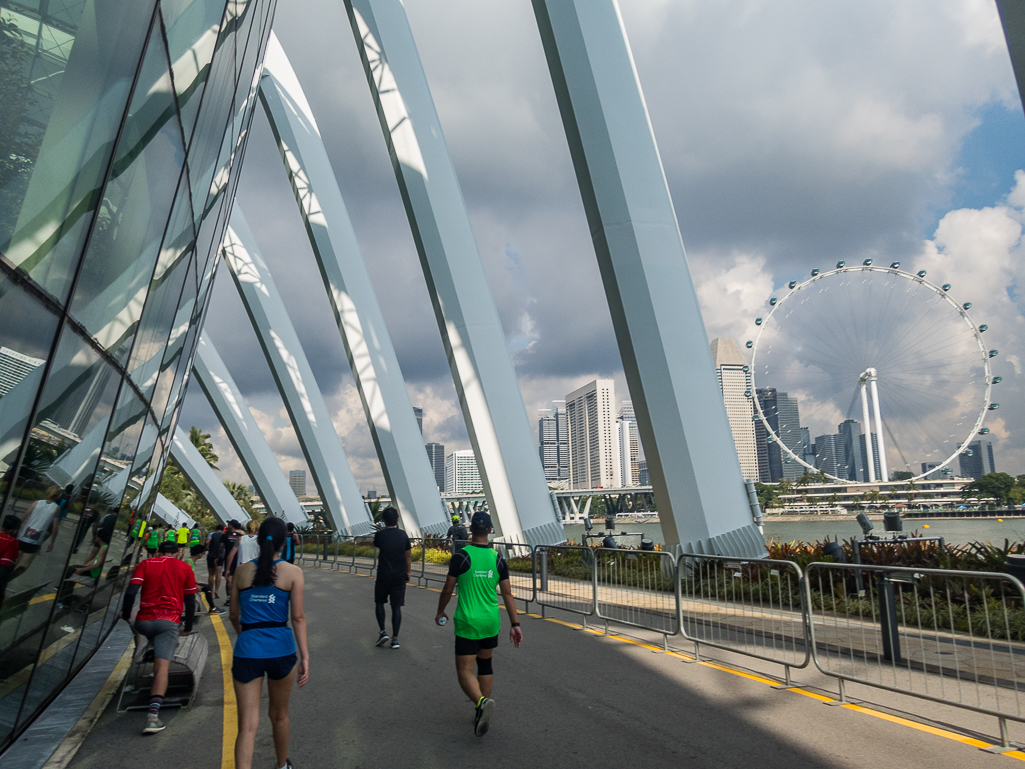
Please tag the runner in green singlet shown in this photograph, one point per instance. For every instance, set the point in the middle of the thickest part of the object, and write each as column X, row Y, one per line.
column 478, row 570
column 152, row 541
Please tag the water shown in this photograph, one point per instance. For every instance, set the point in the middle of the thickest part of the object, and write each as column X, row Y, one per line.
column 957, row 531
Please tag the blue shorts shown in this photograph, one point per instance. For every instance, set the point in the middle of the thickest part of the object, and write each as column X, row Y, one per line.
column 246, row 669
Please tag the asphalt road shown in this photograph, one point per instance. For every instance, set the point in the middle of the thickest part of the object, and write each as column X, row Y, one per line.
column 567, row 698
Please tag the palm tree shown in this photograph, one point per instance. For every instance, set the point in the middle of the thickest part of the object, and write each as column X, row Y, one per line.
column 241, row 494
column 201, row 441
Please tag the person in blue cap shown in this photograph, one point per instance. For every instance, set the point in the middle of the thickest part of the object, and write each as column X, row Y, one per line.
column 478, row 570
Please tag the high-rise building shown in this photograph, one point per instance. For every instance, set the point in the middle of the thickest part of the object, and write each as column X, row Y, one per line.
column 829, row 455
column 419, row 414
column 297, row 480
column 808, row 446
column 436, row 456
column 783, row 416
column 593, row 448
column 629, row 444
column 643, row 479
column 977, row 460
column 735, row 383
column 932, row 474
column 461, row 473
column 14, row 367
column 851, row 468
column 553, row 441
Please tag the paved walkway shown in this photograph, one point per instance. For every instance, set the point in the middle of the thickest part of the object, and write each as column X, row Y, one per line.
column 567, row 698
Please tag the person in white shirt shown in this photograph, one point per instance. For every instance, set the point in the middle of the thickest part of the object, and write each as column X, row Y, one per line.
column 41, row 522
column 248, row 546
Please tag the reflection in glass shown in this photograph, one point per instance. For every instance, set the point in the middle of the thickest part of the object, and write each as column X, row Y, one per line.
column 66, row 70
column 192, row 28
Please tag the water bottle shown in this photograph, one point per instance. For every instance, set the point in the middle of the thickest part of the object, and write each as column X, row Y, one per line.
column 442, row 620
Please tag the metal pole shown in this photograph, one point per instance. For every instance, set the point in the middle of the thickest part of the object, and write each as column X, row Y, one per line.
column 888, row 618
column 883, row 469
column 868, row 431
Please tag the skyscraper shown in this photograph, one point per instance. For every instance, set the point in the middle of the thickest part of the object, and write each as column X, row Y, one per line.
column 553, row 441
column 643, row 478
column 829, row 454
column 297, row 480
column 14, row 367
column 436, row 456
column 461, row 473
column 735, row 383
column 629, row 444
column 977, row 460
column 851, row 468
column 783, row 416
column 593, row 448
column 419, row 414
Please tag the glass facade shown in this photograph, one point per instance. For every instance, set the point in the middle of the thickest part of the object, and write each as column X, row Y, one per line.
column 122, row 129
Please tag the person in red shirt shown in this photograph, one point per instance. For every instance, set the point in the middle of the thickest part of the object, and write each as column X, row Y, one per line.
column 168, row 586
column 8, row 551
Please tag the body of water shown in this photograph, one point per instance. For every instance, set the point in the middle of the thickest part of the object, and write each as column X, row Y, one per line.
column 957, row 531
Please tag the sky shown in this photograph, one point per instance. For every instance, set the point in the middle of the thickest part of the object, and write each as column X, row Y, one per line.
column 793, row 134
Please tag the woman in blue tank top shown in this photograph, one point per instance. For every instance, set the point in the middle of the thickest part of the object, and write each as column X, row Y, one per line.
column 265, row 594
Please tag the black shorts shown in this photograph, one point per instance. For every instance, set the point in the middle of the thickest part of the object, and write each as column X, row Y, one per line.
column 466, row 647
column 390, row 590
column 212, row 563
column 244, row 669
column 25, row 547
column 151, row 550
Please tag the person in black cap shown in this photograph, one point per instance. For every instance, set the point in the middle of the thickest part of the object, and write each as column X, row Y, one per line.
column 478, row 570
column 394, row 567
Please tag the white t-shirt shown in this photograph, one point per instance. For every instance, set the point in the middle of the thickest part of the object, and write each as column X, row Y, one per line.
column 34, row 529
column 248, row 548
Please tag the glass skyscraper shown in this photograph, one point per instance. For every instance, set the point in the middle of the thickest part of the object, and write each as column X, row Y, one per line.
column 122, row 128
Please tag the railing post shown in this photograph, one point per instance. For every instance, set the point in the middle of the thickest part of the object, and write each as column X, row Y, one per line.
column 544, row 570
column 888, row 618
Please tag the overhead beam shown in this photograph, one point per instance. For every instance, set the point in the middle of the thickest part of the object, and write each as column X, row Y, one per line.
column 248, row 441
column 203, row 479
column 474, row 340
column 661, row 335
column 375, row 367
column 343, row 504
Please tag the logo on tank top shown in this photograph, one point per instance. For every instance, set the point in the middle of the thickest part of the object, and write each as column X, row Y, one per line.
column 257, row 598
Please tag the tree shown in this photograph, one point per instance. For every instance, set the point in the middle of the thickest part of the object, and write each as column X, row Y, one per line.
column 785, row 486
column 241, row 494
column 996, row 486
column 902, row 475
column 768, row 496
column 201, row 441
column 807, row 478
column 821, row 476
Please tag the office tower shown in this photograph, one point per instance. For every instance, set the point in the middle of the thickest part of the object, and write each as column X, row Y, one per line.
column 436, row 456
column 784, row 419
column 461, row 474
column 593, row 448
column 419, row 414
column 851, row 468
column 562, row 431
column 875, row 457
column 735, row 383
column 977, row 460
column 14, row 367
column 297, row 480
column 642, row 473
column 932, row 474
column 808, row 446
column 829, row 454
column 552, row 441
column 629, row 444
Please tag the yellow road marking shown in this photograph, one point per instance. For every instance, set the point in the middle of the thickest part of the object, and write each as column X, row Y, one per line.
column 230, row 706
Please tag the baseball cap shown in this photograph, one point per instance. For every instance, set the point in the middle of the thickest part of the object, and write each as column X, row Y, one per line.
column 481, row 520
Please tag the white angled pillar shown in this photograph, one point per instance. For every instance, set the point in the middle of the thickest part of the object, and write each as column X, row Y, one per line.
column 681, row 417
column 202, row 477
column 343, row 504
column 245, row 436
column 482, row 370
column 375, row 367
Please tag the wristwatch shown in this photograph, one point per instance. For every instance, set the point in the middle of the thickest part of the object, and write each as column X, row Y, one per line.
column 516, row 624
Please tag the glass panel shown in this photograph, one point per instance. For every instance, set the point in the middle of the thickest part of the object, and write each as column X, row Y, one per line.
column 66, row 71
column 118, row 266
column 192, row 29
column 180, row 330
column 172, row 270
column 49, row 497
column 26, row 336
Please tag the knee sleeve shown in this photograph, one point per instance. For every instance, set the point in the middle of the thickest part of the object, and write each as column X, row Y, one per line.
column 484, row 667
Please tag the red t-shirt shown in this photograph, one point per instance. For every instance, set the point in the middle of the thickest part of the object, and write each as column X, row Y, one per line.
column 8, row 549
column 165, row 583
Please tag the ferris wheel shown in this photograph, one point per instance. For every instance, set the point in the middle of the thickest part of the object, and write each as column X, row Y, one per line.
column 882, row 370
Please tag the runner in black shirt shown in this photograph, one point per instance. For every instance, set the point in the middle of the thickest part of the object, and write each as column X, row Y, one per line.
column 394, row 567
column 457, row 533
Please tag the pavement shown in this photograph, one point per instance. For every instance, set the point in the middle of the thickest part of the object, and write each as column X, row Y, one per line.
column 568, row 697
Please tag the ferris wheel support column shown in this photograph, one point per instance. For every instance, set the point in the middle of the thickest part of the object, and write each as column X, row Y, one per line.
column 884, row 471
column 868, row 432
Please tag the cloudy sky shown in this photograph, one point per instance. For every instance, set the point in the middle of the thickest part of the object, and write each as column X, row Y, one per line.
column 794, row 134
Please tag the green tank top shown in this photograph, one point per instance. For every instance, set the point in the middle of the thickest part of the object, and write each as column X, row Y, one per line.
column 153, row 539
column 477, row 616
column 194, row 537
column 171, row 535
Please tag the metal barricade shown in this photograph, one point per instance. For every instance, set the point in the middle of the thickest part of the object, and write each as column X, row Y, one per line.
column 300, row 553
column 956, row 637
column 434, row 563
column 750, row 606
column 565, row 579
column 520, row 560
column 364, row 554
column 636, row 588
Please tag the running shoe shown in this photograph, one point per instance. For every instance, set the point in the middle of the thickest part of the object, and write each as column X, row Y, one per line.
column 382, row 639
column 483, row 719
column 395, row 643
column 153, row 724
column 215, row 610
